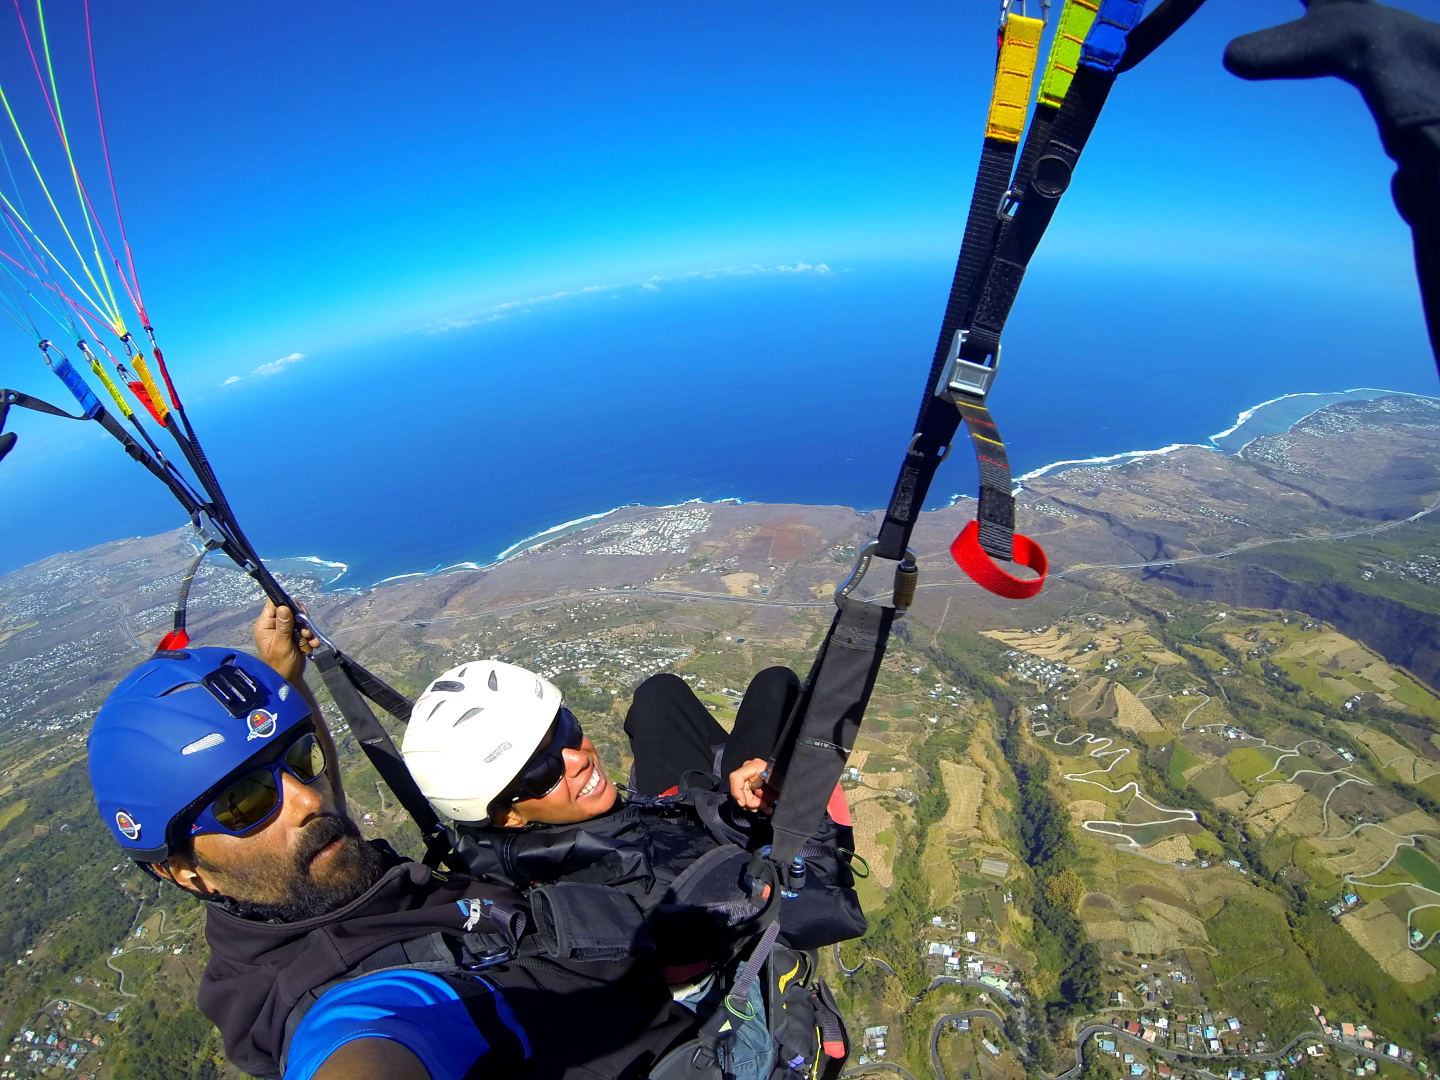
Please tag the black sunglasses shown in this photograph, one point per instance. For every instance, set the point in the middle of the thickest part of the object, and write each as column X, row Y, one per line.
column 546, row 768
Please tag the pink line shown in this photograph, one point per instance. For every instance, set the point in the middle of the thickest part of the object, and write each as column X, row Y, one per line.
column 55, row 119
column 114, row 195
column 53, row 287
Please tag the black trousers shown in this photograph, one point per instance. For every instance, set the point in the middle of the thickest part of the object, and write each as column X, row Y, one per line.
column 672, row 732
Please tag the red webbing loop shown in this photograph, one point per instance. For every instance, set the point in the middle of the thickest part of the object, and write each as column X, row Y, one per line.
column 176, row 639
column 143, row 396
column 971, row 558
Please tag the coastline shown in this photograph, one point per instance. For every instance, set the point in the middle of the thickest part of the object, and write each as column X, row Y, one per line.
column 1267, row 417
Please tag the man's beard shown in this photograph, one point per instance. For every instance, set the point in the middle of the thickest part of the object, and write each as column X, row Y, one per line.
column 350, row 872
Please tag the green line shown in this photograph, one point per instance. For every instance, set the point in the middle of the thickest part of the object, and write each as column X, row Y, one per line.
column 74, row 173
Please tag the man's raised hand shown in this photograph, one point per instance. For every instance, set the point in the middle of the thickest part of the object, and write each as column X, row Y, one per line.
column 277, row 645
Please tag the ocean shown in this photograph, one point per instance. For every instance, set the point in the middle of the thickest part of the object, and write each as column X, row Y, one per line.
column 454, row 448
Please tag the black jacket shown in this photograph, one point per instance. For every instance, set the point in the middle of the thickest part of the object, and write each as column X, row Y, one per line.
column 606, row 1017
column 643, row 846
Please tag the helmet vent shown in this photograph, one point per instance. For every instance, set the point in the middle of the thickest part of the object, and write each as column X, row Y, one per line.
column 433, row 709
column 470, row 714
column 462, row 671
column 203, row 743
column 493, row 682
column 182, row 686
column 448, row 684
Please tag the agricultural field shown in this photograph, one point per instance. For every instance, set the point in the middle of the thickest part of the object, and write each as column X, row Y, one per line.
column 1222, row 733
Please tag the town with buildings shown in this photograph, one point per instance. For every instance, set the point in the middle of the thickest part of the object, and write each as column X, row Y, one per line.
column 64, row 1040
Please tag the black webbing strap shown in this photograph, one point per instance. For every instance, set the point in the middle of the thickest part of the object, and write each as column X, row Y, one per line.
column 738, row 996
column 1006, row 221
column 1020, row 234
column 7, row 438
column 1054, row 145
column 936, row 421
column 376, row 689
column 111, row 425
column 822, row 726
column 382, row 751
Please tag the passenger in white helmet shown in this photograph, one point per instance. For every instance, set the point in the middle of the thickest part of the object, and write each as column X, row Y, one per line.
column 493, row 748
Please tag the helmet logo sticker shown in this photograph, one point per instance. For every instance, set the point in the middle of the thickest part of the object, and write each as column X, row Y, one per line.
column 284, row 691
column 127, row 825
column 261, row 723
column 497, row 752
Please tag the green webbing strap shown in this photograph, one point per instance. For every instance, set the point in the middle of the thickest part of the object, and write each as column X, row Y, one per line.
column 1075, row 21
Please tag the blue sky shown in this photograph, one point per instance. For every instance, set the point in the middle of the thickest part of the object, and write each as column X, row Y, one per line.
column 299, row 177
column 303, row 181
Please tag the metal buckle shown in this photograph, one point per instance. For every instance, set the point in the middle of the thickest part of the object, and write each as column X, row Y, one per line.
column 964, row 376
column 206, row 529
column 862, row 564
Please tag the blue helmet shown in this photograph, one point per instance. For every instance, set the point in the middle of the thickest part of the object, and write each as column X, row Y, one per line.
column 173, row 731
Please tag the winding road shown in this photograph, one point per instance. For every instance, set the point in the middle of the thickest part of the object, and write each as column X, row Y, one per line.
column 1102, row 751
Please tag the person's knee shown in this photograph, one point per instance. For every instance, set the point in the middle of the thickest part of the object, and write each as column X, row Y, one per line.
column 779, row 678
column 651, row 698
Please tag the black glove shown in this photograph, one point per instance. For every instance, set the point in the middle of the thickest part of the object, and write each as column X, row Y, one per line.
column 1393, row 58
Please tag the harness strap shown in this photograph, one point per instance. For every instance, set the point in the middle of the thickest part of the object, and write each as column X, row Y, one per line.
column 383, row 754
column 111, row 425
column 824, row 722
column 739, row 994
column 1089, row 48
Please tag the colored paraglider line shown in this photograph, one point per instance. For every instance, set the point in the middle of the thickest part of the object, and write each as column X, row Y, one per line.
column 51, row 98
column 19, row 217
column 52, row 285
column 138, row 300
column 113, row 314
column 57, row 113
column 22, row 245
column 15, row 279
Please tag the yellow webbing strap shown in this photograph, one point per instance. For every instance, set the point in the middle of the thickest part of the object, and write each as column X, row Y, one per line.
column 1014, row 74
column 1075, row 21
column 105, row 379
column 147, row 380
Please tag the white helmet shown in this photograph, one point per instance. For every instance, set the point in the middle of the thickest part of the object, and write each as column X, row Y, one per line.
column 472, row 731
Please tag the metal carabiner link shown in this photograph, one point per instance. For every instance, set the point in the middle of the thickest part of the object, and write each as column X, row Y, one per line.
column 906, row 577
column 304, row 622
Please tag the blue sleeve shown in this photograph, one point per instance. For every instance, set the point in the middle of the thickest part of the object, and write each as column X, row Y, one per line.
column 417, row 1009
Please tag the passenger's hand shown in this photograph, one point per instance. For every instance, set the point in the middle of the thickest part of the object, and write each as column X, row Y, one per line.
column 276, row 644
column 1390, row 56
column 748, row 787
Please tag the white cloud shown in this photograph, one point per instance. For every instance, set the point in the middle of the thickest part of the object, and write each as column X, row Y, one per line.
column 650, row 284
column 273, row 367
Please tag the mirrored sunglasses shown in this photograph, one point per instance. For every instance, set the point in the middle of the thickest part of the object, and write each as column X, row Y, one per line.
column 251, row 799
